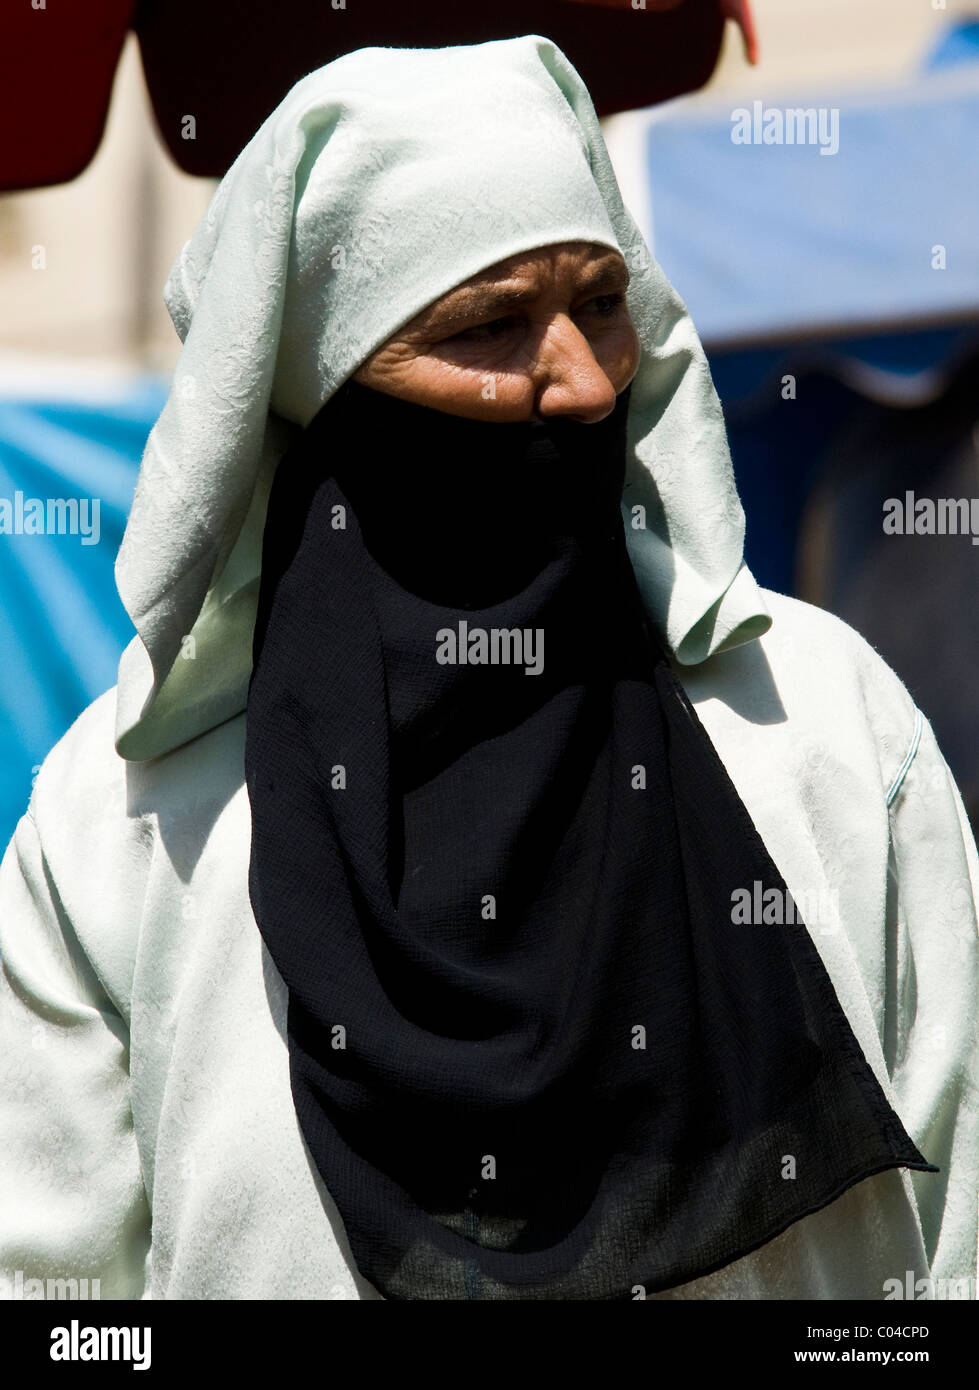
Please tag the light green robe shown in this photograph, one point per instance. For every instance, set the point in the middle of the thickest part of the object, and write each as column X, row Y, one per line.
column 147, row 1132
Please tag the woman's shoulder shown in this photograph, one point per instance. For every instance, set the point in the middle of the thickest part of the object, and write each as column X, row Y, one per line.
column 99, row 819
column 82, row 776
column 818, row 652
column 811, row 680
column 810, row 644
column 86, row 790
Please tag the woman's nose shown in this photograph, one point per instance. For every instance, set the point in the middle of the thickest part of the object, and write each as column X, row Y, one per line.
column 568, row 379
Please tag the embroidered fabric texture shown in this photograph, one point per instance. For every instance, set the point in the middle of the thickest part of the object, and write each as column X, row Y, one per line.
column 330, row 230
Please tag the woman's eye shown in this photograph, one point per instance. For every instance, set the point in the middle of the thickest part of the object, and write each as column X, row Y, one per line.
column 482, row 331
column 606, row 303
column 603, row 304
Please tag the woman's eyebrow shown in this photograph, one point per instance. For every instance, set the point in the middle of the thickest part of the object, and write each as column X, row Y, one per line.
column 479, row 299
column 605, row 276
column 483, row 299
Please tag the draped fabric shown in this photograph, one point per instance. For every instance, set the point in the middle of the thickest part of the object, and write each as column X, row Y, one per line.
column 381, row 182
column 494, row 856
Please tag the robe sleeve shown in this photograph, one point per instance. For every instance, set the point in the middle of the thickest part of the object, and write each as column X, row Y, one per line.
column 931, row 1015
column 72, row 1199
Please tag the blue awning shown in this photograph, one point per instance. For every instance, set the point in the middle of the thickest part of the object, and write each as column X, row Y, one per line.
column 776, row 241
column 68, row 466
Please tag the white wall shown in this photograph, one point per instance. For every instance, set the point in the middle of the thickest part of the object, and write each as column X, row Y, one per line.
column 108, row 238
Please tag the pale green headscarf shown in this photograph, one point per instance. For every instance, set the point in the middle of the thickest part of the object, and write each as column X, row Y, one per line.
column 382, row 181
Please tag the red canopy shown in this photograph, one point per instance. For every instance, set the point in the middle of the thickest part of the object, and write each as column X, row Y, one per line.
column 229, row 65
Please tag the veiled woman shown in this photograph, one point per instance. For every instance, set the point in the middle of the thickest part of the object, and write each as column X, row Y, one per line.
column 475, row 886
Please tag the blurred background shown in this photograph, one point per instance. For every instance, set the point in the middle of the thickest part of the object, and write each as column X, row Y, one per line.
column 835, row 284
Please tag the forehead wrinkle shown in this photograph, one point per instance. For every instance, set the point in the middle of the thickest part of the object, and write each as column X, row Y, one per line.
column 480, row 298
column 483, row 296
